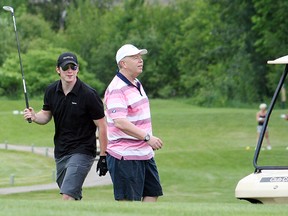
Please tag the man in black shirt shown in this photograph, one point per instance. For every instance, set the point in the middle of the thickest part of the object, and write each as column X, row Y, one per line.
column 77, row 111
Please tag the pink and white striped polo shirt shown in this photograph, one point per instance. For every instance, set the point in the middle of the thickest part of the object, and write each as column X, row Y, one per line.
column 125, row 100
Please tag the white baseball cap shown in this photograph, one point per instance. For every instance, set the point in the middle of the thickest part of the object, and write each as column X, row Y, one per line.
column 262, row 106
column 128, row 50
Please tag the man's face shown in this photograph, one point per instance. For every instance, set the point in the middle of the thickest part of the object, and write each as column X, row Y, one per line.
column 134, row 64
column 68, row 72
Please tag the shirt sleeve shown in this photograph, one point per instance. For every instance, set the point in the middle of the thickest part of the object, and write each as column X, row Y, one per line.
column 46, row 105
column 116, row 104
column 95, row 106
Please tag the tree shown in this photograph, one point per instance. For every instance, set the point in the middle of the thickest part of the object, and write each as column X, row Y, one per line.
column 40, row 48
column 7, row 35
column 215, row 53
column 39, row 68
column 270, row 26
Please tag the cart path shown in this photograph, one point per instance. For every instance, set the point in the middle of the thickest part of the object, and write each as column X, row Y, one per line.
column 91, row 180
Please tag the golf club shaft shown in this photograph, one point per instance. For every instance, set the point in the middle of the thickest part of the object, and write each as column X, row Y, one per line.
column 7, row 8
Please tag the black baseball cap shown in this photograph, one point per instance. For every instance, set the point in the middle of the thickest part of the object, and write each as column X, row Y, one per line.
column 67, row 58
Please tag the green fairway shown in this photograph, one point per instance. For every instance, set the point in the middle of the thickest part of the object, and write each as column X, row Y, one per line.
column 22, row 168
column 203, row 158
column 15, row 130
column 52, row 208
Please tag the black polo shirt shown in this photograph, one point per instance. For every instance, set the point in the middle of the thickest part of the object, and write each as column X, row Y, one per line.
column 73, row 117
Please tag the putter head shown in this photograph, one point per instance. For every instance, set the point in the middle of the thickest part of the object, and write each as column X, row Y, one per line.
column 8, row 8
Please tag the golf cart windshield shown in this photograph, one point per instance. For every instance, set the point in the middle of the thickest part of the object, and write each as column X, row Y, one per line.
column 275, row 159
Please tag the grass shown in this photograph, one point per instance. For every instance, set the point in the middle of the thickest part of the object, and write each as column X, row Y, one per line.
column 203, row 159
column 22, row 168
column 122, row 209
column 14, row 130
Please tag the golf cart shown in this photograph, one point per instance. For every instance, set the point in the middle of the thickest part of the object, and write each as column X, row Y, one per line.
column 268, row 184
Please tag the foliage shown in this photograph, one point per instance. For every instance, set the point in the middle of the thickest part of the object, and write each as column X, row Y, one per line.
column 10, row 80
column 39, row 69
column 269, row 24
column 213, row 52
column 33, row 27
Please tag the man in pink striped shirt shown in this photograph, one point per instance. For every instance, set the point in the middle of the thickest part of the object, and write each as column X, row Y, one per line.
column 130, row 150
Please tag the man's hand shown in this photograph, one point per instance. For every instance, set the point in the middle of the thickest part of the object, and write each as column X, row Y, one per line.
column 155, row 142
column 101, row 168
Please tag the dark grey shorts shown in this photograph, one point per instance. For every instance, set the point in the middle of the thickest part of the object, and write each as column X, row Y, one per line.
column 71, row 173
column 134, row 179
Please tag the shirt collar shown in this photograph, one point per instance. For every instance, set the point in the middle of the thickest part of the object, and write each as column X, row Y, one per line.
column 75, row 89
column 124, row 79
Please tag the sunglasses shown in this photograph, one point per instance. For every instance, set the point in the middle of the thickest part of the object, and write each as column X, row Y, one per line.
column 72, row 66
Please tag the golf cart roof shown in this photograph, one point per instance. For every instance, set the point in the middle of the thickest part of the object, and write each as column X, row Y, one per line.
column 281, row 60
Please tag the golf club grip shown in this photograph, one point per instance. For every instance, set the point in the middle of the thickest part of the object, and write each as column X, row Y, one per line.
column 27, row 106
column 27, row 103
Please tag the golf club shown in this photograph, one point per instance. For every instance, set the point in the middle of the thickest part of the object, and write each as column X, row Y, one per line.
column 10, row 9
